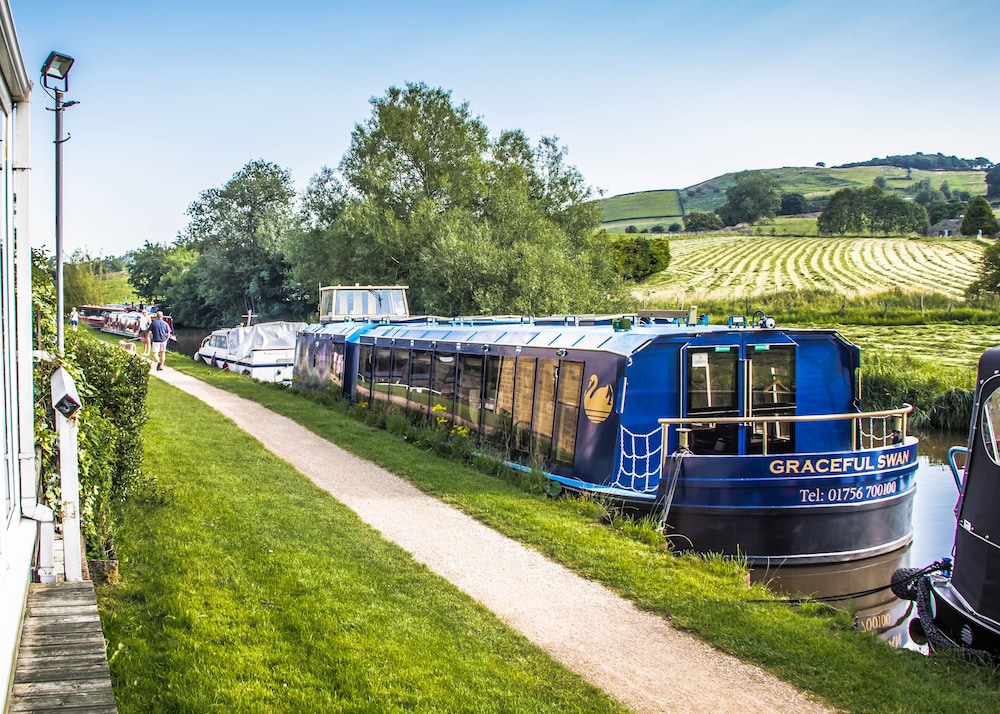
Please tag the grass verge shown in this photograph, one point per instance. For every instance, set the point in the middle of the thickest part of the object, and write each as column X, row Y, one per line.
column 810, row 646
column 245, row 588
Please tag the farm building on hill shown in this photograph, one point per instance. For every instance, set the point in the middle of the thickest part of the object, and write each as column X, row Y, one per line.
column 945, row 228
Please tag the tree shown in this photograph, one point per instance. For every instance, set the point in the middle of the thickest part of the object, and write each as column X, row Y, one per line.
column 87, row 281
column 631, row 229
column 636, row 258
column 471, row 224
column 150, row 265
column 944, row 210
column 238, row 231
column 993, row 183
column 871, row 210
column 988, row 279
column 753, row 196
column 979, row 218
column 792, row 204
column 699, row 222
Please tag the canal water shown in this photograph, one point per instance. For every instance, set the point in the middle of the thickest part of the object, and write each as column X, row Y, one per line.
column 933, row 532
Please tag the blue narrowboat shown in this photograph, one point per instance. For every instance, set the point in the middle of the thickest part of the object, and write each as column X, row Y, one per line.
column 748, row 438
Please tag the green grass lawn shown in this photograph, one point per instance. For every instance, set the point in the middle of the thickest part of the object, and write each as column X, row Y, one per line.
column 208, row 559
column 246, row 588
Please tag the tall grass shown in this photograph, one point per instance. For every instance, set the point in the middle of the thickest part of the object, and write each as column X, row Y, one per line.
column 942, row 396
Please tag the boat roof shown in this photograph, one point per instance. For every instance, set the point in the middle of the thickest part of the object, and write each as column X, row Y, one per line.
column 604, row 337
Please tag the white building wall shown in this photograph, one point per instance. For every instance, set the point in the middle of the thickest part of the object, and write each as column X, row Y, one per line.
column 18, row 535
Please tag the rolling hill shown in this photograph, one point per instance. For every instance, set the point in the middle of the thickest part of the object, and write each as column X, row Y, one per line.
column 665, row 206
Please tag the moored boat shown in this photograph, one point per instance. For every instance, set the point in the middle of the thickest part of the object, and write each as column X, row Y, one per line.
column 94, row 315
column 749, row 438
column 958, row 597
column 263, row 351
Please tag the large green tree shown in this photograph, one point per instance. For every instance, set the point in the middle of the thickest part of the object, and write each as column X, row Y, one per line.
column 753, row 195
column 471, row 224
column 871, row 210
column 993, row 183
column 979, row 217
column 238, row 231
column 151, row 267
column 700, row 222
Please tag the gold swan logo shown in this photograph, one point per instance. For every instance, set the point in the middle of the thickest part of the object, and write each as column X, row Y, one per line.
column 598, row 401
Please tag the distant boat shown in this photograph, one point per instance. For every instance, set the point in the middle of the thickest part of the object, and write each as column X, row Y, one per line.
column 94, row 315
column 264, row 351
column 126, row 322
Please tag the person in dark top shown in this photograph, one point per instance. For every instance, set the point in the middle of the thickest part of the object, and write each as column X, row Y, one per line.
column 159, row 331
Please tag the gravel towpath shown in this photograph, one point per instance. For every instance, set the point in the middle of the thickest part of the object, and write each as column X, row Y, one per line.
column 634, row 656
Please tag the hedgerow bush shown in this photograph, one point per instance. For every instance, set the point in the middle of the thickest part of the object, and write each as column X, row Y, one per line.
column 112, row 384
column 636, row 257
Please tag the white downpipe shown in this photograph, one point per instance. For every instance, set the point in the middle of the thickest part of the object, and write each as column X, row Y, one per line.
column 70, row 487
column 45, row 569
column 27, row 462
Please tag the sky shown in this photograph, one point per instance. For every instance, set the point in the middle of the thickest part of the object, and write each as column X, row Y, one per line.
column 176, row 97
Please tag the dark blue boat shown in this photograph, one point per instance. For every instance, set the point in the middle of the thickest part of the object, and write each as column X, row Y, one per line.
column 958, row 598
column 749, row 438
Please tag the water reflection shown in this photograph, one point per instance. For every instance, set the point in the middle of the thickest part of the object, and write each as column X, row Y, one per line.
column 933, row 533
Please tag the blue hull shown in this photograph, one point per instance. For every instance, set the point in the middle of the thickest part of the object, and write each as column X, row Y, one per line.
column 796, row 508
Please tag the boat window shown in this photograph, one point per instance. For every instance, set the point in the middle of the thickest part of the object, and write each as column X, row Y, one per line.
column 991, row 426
column 712, row 384
column 524, row 400
column 420, row 381
column 567, row 412
column 498, row 402
column 382, row 375
column 399, row 380
column 365, row 365
column 469, row 391
column 337, row 368
column 712, row 381
column 443, row 382
column 545, row 409
column 772, row 393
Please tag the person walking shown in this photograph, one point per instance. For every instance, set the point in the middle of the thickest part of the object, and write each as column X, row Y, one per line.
column 74, row 318
column 160, row 332
column 144, row 323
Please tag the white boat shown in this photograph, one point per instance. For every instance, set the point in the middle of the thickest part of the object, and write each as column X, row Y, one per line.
column 265, row 351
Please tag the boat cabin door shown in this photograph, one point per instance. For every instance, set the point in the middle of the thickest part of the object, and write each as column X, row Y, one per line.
column 744, row 377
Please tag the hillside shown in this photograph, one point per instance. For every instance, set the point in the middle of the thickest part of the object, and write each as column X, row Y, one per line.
column 647, row 208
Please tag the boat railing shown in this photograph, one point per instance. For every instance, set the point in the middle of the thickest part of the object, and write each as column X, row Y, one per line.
column 883, row 427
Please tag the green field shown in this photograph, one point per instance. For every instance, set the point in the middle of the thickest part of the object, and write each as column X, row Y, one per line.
column 708, row 267
column 807, row 180
column 644, row 204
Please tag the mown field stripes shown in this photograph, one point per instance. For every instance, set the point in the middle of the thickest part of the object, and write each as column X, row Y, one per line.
column 721, row 266
column 62, row 663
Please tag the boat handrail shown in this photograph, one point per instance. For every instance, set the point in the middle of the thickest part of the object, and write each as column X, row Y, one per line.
column 953, row 464
column 899, row 414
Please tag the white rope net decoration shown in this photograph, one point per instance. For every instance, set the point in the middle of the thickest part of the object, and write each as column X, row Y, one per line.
column 641, row 460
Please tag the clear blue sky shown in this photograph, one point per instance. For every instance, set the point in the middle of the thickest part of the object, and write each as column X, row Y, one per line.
column 177, row 96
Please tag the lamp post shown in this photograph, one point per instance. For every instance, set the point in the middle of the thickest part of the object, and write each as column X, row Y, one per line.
column 56, row 70
column 55, row 78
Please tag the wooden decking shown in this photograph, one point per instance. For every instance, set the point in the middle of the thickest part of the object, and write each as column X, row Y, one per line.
column 62, row 663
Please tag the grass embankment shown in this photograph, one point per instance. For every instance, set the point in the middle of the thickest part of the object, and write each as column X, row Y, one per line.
column 186, row 553
column 245, row 588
